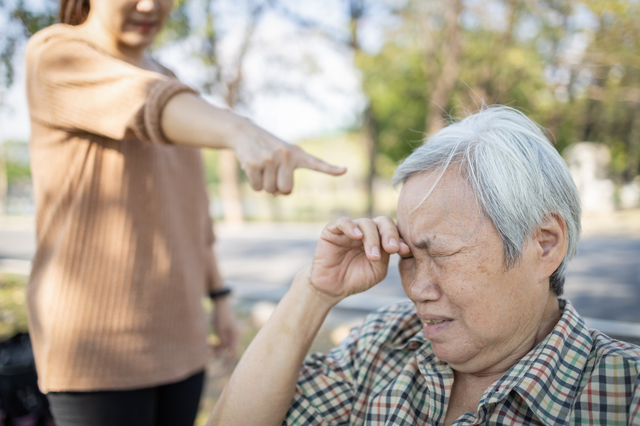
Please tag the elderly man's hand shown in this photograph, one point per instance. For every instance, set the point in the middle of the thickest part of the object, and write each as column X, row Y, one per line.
column 353, row 255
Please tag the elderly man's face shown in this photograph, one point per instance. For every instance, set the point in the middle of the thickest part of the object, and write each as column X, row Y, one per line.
column 457, row 275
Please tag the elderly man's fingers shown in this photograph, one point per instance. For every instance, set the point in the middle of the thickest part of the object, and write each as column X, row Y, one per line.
column 308, row 161
column 404, row 248
column 345, row 226
column 371, row 239
column 388, row 234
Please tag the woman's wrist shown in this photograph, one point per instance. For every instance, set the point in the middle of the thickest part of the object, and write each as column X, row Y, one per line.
column 234, row 131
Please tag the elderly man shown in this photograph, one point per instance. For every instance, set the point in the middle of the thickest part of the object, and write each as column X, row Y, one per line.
column 487, row 221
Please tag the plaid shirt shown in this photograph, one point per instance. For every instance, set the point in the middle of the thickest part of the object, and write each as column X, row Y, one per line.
column 385, row 373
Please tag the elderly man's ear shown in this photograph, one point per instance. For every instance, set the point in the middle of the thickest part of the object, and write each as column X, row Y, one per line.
column 551, row 245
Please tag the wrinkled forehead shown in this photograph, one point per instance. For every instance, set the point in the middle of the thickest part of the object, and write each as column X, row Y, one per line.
column 440, row 203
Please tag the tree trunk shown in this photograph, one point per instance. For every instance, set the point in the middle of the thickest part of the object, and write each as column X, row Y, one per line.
column 590, row 120
column 449, row 73
column 230, row 187
column 229, row 168
column 3, row 168
column 634, row 149
column 3, row 180
column 356, row 12
column 371, row 146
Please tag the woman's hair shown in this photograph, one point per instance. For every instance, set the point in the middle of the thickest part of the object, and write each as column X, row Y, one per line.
column 74, row 12
column 517, row 176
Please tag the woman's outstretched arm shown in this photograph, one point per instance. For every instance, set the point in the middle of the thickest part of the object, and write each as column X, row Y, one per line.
column 351, row 257
column 73, row 86
column 187, row 119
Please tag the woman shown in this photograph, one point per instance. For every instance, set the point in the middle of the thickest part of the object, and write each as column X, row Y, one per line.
column 124, row 236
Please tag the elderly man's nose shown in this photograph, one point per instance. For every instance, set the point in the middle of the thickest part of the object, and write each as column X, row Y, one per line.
column 423, row 289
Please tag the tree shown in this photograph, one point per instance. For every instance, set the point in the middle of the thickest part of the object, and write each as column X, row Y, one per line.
column 349, row 40
column 572, row 66
column 3, row 180
column 612, row 103
column 448, row 72
column 357, row 10
column 228, row 78
column 22, row 22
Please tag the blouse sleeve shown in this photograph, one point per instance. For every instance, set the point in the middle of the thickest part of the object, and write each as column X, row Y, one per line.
column 75, row 87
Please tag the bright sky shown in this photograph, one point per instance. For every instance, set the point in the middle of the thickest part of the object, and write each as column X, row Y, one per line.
column 14, row 117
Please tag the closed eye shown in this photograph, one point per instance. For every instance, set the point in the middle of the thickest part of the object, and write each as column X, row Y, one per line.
column 432, row 255
column 445, row 254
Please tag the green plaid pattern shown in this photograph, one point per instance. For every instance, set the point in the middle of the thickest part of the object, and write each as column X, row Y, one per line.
column 385, row 373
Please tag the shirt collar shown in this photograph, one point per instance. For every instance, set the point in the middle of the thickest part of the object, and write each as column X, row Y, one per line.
column 547, row 378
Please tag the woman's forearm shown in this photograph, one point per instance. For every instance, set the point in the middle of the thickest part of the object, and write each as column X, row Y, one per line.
column 187, row 119
column 267, row 161
column 262, row 386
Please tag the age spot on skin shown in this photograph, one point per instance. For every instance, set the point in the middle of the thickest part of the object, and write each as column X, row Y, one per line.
column 482, row 269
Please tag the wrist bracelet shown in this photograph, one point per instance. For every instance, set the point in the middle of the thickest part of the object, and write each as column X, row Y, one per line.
column 216, row 294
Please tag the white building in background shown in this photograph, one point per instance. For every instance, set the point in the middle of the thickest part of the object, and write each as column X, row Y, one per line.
column 588, row 163
column 630, row 194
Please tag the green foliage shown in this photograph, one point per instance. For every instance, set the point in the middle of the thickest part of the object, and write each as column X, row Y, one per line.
column 576, row 93
column 16, row 161
column 17, row 172
column 23, row 21
column 395, row 85
column 210, row 160
column 33, row 20
column 611, row 107
column 573, row 66
column 178, row 26
column 13, row 311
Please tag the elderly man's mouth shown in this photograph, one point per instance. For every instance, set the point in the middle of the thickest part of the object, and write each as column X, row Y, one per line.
column 432, row 328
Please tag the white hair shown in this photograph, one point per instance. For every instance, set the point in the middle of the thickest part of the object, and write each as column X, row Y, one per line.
column 516, row 174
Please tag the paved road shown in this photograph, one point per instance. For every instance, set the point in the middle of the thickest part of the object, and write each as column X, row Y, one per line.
column 602, row 282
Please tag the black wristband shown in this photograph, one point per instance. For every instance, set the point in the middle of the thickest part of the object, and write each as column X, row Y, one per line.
column 216, row 294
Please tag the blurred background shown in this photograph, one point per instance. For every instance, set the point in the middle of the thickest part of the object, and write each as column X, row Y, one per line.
column 361, row 83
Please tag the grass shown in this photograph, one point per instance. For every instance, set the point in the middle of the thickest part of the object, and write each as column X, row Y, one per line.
column 13, row 311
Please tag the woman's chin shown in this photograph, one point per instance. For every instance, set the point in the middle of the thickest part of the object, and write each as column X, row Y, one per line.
column 137, row 39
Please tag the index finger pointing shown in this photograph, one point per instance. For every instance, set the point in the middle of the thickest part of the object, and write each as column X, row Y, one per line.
column 308, row 161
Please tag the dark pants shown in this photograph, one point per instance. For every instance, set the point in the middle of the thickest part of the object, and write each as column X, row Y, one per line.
column 174, row 404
